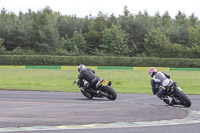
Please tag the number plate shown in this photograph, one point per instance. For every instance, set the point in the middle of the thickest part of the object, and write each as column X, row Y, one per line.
column 104, row 82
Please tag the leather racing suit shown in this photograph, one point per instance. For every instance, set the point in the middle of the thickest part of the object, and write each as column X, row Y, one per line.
column 159, row 79
column 90, row 77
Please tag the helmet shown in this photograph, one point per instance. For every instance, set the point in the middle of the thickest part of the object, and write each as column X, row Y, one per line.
column 81, row 68
column 152, row 70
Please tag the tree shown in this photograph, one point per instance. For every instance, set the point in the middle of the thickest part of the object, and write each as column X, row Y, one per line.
column 93, row 41
column 194, row 36
column 137, row 26
column 79, row 41
column 48, row 32
column 180, row 18
column 173, row 50
column 1, row 41
column 69, row 24
column 6, row 23
column 66, row 43
column 107, row 40
column 193, row 21
column 115, row 41
column 2, row 48
column 156, row 20
column 155, row 43
column 126, row 11
column 165, row 20
column 93, row 37
column 48, row 39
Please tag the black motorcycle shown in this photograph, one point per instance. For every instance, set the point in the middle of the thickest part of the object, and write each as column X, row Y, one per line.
column 102, row 89
column 175, row 94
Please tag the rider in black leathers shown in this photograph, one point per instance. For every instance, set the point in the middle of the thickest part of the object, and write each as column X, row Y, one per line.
column 88, row 75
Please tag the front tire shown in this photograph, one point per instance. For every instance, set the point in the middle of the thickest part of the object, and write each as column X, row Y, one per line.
column 111, row 93
column 87, row 95
column 185, row 101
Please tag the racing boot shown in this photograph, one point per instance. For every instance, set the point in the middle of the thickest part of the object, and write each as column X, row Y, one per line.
column 82, row 89
column 168, row 100
column 164, row 98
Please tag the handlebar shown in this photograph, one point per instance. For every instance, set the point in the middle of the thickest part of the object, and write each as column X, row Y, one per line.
column 75, row 82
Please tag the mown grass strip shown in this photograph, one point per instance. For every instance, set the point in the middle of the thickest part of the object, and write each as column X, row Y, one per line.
column 124, row 81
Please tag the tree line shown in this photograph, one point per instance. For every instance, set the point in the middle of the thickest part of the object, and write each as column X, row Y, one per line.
column 47, row 32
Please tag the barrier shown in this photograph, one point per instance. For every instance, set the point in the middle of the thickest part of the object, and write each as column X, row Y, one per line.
column 184, row 69
column 12, row 67
column 42, row 67
column 114, row 67
column 147, row 68
column 76, row 67
column 99, row 68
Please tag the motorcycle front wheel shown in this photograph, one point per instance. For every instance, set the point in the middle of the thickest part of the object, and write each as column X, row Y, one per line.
column 87, row 95
column 185, row 101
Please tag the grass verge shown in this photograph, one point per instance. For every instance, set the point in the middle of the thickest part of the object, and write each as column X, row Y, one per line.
column 124, row 81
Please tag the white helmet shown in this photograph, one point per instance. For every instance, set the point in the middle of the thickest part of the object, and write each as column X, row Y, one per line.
column 81, row 68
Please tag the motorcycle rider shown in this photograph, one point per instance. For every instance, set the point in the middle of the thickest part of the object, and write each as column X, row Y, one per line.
column 88, row 75
column 159, row 81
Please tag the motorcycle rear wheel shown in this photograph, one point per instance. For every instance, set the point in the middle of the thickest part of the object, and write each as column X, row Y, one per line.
column 112, row 95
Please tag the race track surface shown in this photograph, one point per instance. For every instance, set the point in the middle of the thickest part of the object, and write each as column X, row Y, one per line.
column 34, row 111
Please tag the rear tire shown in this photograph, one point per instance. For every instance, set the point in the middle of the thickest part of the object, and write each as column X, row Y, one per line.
column 185, row 101
column 112, row 95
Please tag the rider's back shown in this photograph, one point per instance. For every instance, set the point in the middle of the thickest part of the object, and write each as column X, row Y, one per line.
column 88, row 75
column 161, row 78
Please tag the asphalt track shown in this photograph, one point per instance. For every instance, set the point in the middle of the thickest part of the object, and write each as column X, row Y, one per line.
column 62, row 112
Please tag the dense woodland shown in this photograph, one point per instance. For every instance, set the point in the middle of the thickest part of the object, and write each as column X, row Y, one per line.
column 47, row 32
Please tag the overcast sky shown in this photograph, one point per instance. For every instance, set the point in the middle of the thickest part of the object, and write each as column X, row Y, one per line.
column 81, row 8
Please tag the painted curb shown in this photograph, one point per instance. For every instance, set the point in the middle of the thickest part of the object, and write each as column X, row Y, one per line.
column 12, row 67
column 42, row 67
column 147, row 68
column 114, row 67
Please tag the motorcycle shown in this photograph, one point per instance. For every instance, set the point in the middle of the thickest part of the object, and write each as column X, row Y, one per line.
column 102, row 89
column 175, row 93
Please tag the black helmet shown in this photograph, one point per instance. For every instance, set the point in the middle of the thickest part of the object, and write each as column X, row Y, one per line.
column 81, row 68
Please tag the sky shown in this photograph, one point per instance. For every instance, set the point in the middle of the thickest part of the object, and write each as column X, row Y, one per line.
column 82, row 8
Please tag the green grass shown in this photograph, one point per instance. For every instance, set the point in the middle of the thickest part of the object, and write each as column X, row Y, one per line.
column 125, row 81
